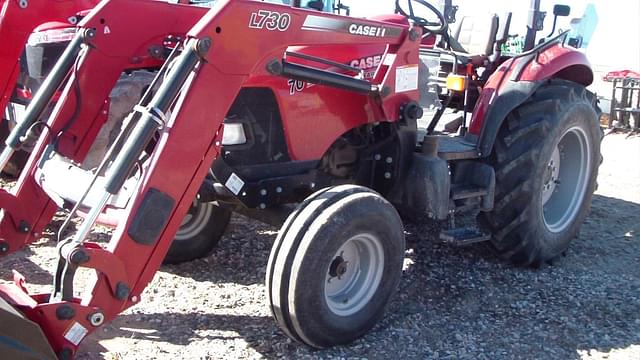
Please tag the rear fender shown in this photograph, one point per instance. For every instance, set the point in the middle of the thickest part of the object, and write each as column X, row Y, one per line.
column 515, row 81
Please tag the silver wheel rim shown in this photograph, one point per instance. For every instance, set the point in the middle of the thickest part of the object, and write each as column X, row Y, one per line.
column 354, row 274
column 565, row 181
column 195, row 221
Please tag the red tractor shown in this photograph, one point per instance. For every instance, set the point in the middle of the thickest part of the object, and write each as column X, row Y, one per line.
column 261, row 105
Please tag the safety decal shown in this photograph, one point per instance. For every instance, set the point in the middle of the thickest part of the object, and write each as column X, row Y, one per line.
column 234, row 183
column 407, row 78
column 76, row 333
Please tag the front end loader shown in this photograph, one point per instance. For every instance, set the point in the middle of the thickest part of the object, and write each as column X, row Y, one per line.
column 288, row 116
column 19, row 22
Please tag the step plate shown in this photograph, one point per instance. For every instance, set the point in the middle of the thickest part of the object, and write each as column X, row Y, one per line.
column 463, row 236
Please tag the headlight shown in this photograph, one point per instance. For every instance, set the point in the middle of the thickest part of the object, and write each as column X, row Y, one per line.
column 233, row 134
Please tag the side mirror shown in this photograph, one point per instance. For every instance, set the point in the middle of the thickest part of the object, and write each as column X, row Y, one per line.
column 561, row 10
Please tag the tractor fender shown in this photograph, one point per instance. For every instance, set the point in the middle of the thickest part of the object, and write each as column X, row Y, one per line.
column 515, row 81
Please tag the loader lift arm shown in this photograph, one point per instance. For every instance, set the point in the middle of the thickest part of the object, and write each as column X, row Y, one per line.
column 199, row 89
column 19, row 19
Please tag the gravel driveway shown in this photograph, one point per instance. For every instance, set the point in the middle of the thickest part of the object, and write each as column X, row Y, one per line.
column 452, row 303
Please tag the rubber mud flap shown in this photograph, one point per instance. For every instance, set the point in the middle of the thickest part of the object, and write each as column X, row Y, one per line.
column 21, row 338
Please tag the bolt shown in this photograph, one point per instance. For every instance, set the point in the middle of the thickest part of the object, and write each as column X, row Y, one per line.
column 203, row 45
column 279, row 190
column 122, row 291
column 65, row 312
column 4, row 247
column 263, row 192
column 313, row 185
column 389, row 160
column 244, row 193
column 79, row 257
column 263, row 206
column 275, row 67
column 377, row 157
column 413, row 35
column 89, row 33
column 24, row 227
column 387, row 175
column 23, row 4
column 134, row 298
column 96, row 319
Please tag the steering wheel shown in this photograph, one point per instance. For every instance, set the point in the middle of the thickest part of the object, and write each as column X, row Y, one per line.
column 439, row 27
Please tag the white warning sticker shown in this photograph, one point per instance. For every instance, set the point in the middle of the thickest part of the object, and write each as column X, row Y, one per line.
column 234, row 183
column 407, row 78
column 76, row 333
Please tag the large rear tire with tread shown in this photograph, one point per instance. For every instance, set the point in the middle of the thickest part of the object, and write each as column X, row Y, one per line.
column 200, row 231
column 546, row 159
column 334, row 266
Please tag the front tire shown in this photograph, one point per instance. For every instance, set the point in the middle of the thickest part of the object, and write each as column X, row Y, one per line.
column 546, row 159
column 200, row 231
column 334, row 266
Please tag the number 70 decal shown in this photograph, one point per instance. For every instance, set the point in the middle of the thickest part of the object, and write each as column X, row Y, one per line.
column 270, row 20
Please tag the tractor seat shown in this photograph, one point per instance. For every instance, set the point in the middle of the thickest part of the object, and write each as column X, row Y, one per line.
column 475, row 37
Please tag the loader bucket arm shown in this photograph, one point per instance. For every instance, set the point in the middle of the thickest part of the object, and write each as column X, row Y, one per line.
column 18, row 20
column 93, row 75
column 199, row 89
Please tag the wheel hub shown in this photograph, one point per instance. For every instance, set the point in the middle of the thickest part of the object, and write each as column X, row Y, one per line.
column 566, row 178
column 338, row 267
column 551, row 176
column 354, row 274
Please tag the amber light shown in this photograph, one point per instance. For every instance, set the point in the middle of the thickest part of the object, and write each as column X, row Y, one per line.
column 456, row 82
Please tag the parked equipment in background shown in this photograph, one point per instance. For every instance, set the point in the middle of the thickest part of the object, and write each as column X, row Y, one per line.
column 625, row 100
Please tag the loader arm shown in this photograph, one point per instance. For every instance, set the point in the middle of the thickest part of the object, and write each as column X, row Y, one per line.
column 18, row 19
column 93, row 75
column 199, row 88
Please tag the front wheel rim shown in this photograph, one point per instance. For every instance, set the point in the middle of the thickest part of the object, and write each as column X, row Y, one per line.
column 566, row 178
column 195, row 220
column 354, row 274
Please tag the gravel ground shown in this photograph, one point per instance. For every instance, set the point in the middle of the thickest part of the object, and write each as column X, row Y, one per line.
column 452, row 303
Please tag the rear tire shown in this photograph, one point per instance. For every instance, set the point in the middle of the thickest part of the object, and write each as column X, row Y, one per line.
column 334, row 266
column 199, row 234
column 546, row 159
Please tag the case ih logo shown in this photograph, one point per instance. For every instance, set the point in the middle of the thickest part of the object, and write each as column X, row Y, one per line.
column 367, row 62
column 321, row 23
column 366, row 30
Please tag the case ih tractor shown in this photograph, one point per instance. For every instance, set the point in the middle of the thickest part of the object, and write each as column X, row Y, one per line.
column 257, row 106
